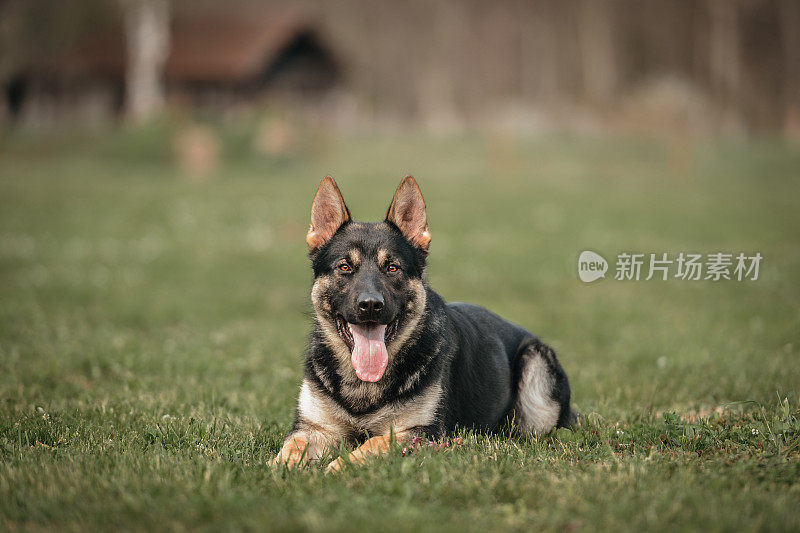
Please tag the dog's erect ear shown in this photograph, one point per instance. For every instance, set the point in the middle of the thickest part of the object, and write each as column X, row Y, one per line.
column 328, row 213
column 407, row 212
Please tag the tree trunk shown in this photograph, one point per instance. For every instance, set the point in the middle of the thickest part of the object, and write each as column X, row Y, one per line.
column 724, row 50
column 147, row 36
column 598, row 56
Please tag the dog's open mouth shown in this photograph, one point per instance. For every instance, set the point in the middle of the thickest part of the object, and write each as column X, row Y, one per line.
column 343, row 328
column 367, row 343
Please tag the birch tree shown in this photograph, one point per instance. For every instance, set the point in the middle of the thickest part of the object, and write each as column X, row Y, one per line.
column 147, row 37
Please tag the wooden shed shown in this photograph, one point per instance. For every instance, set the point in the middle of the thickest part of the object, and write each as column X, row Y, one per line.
column 215, row 60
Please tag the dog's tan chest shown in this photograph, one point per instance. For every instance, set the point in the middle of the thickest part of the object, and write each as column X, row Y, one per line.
column 318, row 409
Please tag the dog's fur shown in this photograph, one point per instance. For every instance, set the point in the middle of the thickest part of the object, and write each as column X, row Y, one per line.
column 449, row 365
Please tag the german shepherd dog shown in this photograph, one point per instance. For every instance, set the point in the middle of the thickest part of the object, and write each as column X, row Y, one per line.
column 389, row 359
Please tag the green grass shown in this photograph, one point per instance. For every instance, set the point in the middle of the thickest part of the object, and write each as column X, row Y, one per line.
column 152, row 331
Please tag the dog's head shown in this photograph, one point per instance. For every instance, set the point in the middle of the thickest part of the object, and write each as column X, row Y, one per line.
column 368, row 292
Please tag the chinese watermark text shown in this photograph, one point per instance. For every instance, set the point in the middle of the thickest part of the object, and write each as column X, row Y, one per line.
column 663, row 266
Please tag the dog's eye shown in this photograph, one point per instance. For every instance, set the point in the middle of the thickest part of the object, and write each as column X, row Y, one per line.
column 392, row 268
column 344, row 267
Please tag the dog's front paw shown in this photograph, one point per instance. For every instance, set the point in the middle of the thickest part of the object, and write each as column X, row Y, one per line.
column 294, row 453
column 334, row 466
column 373, row 446
column 291, row 461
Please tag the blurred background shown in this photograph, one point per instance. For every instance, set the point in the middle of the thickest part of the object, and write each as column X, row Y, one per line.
column 157, row 164
column 158, row 159
column 722, row 67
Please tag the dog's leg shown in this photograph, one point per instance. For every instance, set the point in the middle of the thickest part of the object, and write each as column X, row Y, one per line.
column 295, row 450
column 373, row 446
column 305, row 443
column 315, row 429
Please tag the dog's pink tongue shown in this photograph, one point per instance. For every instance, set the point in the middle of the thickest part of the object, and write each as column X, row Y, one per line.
column 369, row 352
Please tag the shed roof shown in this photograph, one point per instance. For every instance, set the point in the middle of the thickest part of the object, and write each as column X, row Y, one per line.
column 204, row 48
column 235, row 48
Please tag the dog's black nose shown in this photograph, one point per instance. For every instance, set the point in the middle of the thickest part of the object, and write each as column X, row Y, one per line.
column 370, row 305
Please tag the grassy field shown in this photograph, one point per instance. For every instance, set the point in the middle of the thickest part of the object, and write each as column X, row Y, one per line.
column 152, row 330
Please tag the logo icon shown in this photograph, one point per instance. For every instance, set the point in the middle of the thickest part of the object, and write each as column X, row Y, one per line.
column 591, row 266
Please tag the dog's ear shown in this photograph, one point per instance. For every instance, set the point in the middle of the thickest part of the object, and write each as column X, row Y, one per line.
column 407, row 212
column 328, row 213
